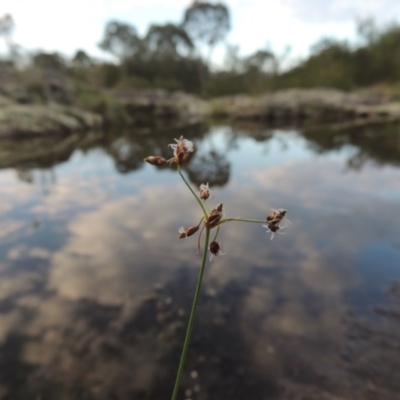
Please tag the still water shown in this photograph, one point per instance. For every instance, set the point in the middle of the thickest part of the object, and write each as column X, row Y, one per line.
column 96, row 287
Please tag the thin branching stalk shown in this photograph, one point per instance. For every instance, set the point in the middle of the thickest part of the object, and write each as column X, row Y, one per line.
column 257, row 221
column 211, row 219
column 216, row 234
column 194, row 194
column 191, row 318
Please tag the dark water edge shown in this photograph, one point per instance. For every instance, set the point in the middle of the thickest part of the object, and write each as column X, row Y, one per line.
column 96, row 288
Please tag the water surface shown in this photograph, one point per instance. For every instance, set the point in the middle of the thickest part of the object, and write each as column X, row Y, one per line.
column 96, row 287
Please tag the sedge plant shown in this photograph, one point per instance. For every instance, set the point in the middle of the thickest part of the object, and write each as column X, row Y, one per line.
column 210, row 222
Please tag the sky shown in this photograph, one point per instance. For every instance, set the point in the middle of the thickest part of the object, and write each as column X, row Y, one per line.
column 66, row 26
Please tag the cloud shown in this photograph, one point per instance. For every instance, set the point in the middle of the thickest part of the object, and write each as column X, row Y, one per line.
column 254, row 23
column 341, row 10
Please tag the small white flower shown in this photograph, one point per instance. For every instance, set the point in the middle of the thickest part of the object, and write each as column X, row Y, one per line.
column 274, row 228
column 182, row 148
column 271, row 228
column 188, row 145
column 204, row 191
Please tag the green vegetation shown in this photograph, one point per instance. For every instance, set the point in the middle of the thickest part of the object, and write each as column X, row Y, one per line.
column 337, row 64
column 177, row 57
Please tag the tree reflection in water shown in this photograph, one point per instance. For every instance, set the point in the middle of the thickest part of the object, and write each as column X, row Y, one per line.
column 377, row 143
column 212, row 167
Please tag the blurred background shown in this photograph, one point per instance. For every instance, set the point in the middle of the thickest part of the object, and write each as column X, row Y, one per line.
column 290, row 104
column 211, row 49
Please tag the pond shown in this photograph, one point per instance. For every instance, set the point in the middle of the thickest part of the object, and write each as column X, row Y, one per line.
column 96, row 287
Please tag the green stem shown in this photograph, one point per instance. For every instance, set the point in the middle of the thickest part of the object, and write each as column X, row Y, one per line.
column 216, row 234
column 257, row 221
column 194, row 194
column 200, row 221
column 191, row 319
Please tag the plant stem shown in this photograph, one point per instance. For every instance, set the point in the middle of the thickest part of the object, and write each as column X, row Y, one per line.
column 191, row 319
column 216, row 234
column 257, row 221
column 194, row 194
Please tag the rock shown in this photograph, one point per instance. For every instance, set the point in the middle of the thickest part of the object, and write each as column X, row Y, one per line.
column 37, row 119
column 320, row 104
column 42, row 151
column 5, row 102
column 12, row 87
column 146, row 105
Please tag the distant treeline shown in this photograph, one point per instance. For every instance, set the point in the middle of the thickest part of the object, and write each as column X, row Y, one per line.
column 178, row 57
column 337, row 64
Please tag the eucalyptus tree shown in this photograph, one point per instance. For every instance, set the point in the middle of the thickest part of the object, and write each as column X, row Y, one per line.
column 260, row 69
column 261, row 61
column 207, row 23
column 169, row 62
column 169, row 39
column 49, row 61
column 121, row 40
column 81, row 59
column 7, row 26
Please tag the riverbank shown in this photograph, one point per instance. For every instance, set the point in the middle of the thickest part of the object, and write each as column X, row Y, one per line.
column 140, row 108
column 316, row 105
column 43, row 119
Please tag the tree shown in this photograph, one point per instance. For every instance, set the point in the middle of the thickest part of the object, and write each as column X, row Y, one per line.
column 81, row 59
column 232, row 58
column 169, row 39
column 6, row 26
column 367, row 30
column 259, row 61
column 49, row 61
column 121, row 40
column 207, row 23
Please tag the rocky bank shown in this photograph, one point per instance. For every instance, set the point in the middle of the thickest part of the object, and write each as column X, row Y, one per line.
column 39, row 119
column 150, row 107
column 315, row 105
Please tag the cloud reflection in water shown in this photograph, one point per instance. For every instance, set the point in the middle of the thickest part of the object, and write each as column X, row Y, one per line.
column 100, row 309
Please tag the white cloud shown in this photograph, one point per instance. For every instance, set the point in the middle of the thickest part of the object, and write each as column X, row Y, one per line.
column 315, row 11
column 68, row 25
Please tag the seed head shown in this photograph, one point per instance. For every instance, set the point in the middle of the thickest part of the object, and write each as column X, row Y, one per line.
column 276, row 216
column 204, row 191
column 215, row 249
column 188, row 231
column 155, row 160
column 274, row 221
column 182, row 148
column 215, row 216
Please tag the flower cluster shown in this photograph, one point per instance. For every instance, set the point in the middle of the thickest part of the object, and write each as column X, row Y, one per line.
column 181, row 148
column 209, row 221
column 214, row 218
